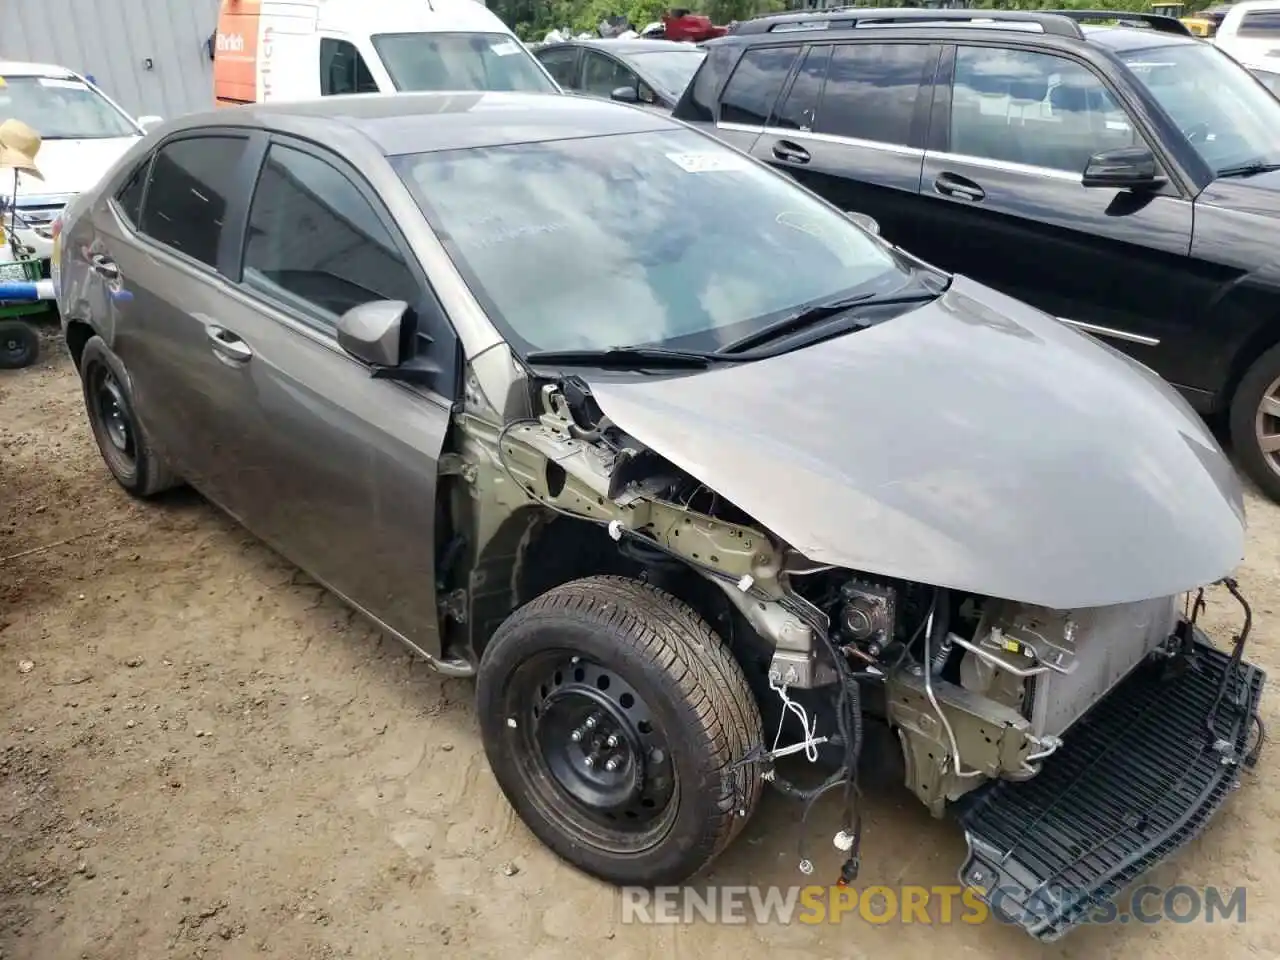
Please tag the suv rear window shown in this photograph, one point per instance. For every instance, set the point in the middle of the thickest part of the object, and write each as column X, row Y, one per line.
column 754, row 87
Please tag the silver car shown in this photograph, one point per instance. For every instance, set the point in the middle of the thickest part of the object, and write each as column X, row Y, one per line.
column 690, row 469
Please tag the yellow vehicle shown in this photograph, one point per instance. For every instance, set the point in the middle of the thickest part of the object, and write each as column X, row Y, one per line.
column 1205, row 23
column 1168, row 9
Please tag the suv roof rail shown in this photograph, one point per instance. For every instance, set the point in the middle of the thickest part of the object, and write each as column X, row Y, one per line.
column 1154, row 21
column 848, row 18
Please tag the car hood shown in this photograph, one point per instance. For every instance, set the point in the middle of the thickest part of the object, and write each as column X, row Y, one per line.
column 1256, row 194
column 69, row 166
column 974, row 443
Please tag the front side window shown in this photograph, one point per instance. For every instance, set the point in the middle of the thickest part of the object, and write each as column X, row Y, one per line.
column 872, row 90
column 62, row 109
column 562, row 64
column 1035, row 109
column 460, row 61
column 343, row 70
column 754, row 87
column 601, row 75
column 187, row 198
column 1228, row 119
column 662, row 237
column 315, row 242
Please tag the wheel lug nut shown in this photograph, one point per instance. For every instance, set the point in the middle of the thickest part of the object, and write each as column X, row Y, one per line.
column 591, row 721
column 612, row 764
column 612, row 740
column 590, row 761
column 576, row 736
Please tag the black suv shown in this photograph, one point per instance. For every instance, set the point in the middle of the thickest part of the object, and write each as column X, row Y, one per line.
column 1107, row 168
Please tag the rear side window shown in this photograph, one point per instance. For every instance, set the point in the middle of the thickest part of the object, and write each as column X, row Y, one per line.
column 129, row 196
column 754, row 87
column 316, row 242
column 872, row 90
column 801, row 106
column 1262, row 24
column 187, row 199
column 562, row 64
column 343, row 70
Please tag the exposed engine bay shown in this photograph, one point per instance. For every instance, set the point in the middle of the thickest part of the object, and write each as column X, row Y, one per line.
column 976, row 689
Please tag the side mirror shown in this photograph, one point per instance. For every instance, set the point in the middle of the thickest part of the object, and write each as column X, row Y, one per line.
column 149, row 121
column 866, row 222
column 625, row 95
column 371, row 331
column 1126, row 168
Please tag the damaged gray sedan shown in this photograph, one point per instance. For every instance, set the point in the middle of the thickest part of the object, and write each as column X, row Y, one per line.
column 690, row 470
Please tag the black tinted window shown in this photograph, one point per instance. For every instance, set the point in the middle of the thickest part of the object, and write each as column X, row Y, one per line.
column 797, row 113
column 560, row 63
column 130, row 195
column 313, row 237
column 190, row 182
column 699, row 101
column 755, row 85
column 602, row 75
column 872, row 90
column 343, row 70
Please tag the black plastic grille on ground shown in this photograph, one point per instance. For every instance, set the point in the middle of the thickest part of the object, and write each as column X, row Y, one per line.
column 1136, row 778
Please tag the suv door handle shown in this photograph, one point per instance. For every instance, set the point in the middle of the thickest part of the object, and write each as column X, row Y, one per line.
column 953, row 185
column 791, row 152
column 227, row 345
column 105, row 267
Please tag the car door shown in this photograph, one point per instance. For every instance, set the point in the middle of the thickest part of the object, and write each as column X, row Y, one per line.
column 1009, row 142
column 851, row 126
column 337, row 469
column 562, row 63
column 162, row 289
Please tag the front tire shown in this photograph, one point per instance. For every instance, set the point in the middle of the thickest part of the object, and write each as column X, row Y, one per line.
column 612, row 716
column 1255, row 422
column 122, row 441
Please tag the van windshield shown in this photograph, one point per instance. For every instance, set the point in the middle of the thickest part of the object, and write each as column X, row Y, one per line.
column 460, row 61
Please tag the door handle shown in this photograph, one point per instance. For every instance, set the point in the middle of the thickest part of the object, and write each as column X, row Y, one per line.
column 105, row 267
column 790, row 152
column 952, row 185
column 227, row 345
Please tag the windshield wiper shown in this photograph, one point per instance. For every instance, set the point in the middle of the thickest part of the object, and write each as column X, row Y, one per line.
column 1248, row 169
column 629, row 357
column 816, row 313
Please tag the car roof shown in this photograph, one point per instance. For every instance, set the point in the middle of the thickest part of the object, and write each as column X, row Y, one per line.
column 1055, row 26
column 402, row 123
column 628, row 46
column 17, row 68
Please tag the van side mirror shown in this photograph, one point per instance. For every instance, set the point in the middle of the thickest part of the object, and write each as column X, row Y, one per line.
column 625, row 95
column 150, row 121
column 371, row 331
column 1126, row 168
column 865, row 221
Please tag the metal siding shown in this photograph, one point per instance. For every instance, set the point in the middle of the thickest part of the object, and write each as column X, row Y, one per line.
column 112, row 40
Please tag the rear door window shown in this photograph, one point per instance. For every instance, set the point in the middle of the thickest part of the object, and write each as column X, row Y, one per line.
column 186, row 201
column 129, row 197
column 754, row 87
column 873, row 90
column 800, row 108
column 562, row 64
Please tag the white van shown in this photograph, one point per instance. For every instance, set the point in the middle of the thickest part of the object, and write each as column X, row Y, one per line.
column 301, row 49
column 1250, row 32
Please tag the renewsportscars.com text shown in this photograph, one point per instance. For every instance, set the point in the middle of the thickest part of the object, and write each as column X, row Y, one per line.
column 933, row 906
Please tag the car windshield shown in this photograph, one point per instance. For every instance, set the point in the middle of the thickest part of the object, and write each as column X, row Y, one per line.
column 62, row 109
column 659, row 238
column 460, row 61
column 1228, row 118
column 670, row 70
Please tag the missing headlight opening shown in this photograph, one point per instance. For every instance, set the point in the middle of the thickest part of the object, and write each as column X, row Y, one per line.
column 1026, row 722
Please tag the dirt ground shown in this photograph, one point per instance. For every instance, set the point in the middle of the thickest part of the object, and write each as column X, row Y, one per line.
column 204, row 755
